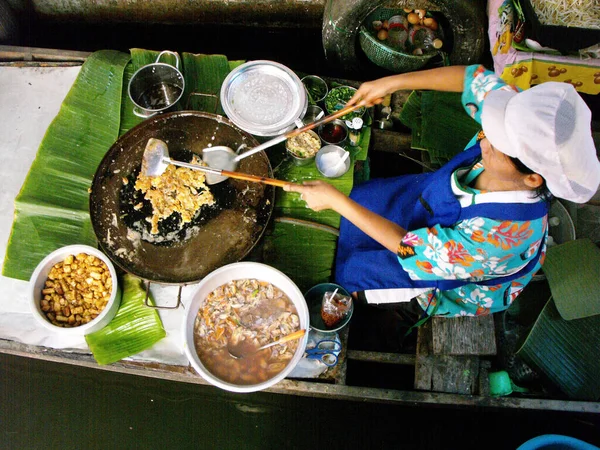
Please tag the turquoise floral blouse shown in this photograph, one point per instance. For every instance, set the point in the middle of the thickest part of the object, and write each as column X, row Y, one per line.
column 478, row 248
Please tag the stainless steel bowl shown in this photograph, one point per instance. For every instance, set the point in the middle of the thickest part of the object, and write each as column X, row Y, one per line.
column 312, row 113
column 334, row 132
column 298, row 160
column 323, row 165
column 316, row 84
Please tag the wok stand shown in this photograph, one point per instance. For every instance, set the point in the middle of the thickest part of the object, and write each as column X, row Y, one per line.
column 149, row 305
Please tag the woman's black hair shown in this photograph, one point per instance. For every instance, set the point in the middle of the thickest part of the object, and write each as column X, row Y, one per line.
column 542, row 190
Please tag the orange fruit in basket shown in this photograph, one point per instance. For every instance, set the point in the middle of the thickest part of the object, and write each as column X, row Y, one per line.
column 382, row 35
column 413, row 18
column 430, row 23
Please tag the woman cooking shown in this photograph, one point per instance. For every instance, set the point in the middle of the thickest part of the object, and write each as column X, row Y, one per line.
column 466, row 239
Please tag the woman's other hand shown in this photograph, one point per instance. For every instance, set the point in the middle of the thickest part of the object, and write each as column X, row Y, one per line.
column 449, row 79
column 317, row 194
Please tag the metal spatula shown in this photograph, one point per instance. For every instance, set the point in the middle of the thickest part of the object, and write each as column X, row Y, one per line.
column 156, row 160
column 223, row 157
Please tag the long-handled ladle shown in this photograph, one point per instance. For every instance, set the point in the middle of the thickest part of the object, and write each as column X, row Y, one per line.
column 156, row 160
column 222, row 157
column 238, row 352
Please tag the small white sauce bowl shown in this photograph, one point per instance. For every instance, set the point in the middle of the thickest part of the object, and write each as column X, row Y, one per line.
column 327, row 159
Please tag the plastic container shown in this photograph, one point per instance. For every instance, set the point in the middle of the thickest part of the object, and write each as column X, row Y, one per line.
column 564, row 39
column 354, row 130
column 424, row 40
column 555, row 442
column 314, row 300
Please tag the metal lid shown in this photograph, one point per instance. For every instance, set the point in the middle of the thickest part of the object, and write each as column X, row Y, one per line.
column 264, row 98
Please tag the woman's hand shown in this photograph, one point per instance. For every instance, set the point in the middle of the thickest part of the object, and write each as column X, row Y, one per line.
column 320, row 195
column 372, row 92
column 317, row 194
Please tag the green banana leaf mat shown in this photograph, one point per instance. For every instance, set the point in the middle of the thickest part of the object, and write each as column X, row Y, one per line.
column 51, row 210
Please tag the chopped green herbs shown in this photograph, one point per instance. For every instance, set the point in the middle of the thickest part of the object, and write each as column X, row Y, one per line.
column 337, row 99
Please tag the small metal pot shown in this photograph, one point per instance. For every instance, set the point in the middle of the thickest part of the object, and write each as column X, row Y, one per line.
column 313, row 113
column 313, row 82
column 156, row 87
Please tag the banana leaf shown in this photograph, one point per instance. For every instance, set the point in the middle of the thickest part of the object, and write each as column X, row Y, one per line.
column 204, row 75
column 573, row 273
column 289, row 203
column 446, row 126
column 439, row 124
column 234, row 64
column 51, row 210
column 363, row 148
column 303, row 252
column 134, row 328
column 141, row 57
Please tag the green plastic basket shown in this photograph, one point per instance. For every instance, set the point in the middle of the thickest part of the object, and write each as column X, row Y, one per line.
column 383, row 55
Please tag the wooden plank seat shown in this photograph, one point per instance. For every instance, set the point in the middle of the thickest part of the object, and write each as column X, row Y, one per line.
column 449, row 355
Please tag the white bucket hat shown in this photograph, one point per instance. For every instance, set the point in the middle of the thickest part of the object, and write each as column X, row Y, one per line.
column 548, row 128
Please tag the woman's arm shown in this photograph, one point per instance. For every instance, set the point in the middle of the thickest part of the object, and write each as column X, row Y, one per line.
column 320, row 195
column 449, row 79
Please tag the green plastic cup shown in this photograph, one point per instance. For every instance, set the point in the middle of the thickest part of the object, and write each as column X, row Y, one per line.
column 501, row 384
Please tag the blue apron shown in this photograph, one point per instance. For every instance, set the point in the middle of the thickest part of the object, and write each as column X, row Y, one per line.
column 413, row 202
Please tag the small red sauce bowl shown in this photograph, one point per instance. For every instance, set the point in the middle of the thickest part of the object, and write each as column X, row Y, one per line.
column 334, row 132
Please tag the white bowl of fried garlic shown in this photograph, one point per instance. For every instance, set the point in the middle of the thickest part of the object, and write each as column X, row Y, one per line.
column 74, row 290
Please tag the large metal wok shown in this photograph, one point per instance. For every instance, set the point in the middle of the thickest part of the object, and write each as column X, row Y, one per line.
column 218, row 235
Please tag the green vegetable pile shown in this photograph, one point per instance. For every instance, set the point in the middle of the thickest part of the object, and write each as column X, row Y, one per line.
column 315, row 90
column 315, row 93
column 337, row 99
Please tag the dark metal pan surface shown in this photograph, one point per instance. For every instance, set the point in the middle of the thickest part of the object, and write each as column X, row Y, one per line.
column 218, row 235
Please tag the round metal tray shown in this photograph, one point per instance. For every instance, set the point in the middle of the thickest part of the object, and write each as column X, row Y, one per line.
column 264, row 98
